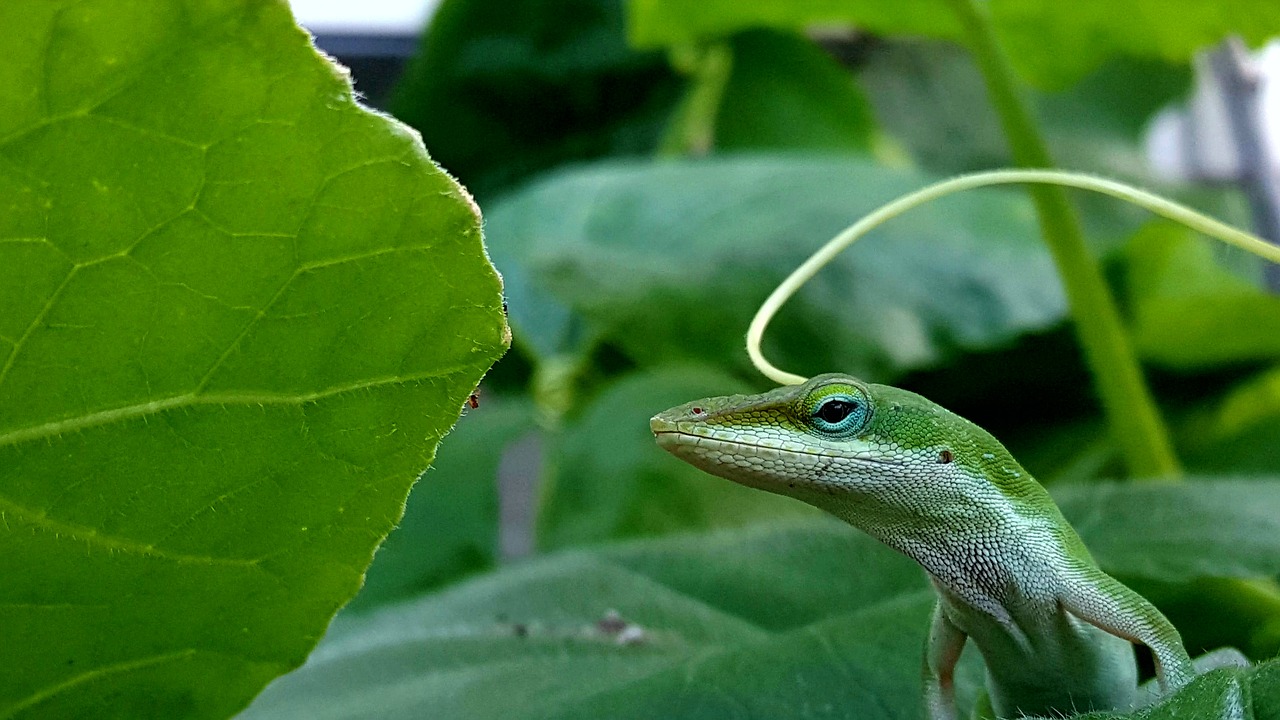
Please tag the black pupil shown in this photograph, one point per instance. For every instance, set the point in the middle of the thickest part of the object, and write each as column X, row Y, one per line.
column 833, row 411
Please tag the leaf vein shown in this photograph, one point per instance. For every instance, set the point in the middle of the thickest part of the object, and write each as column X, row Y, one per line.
column 54, row 428
column 35, row 322
column 94, row 538
column 124, row 666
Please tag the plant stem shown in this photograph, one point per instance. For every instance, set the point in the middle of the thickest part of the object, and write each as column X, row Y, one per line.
column 824, row 255
column 692, row 130
column 1130, row 409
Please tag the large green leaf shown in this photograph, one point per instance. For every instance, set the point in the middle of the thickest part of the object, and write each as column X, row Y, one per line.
column 450, row 523
column 1224, row 694
column 1051, row 43
column 607, row 482
column 748, row 624
column 810, row 619
column 669, row 261
column 239, row 311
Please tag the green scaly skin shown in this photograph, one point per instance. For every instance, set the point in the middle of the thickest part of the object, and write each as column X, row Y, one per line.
column 1010, row 573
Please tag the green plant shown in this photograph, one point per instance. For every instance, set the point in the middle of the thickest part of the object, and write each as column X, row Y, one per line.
column 237, row 313
column 194, row 156
column 629, row 282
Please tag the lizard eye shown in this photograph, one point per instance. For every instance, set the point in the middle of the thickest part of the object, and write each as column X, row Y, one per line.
column 839, row 414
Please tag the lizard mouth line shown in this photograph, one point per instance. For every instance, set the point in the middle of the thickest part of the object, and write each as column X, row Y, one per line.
column 734, row 443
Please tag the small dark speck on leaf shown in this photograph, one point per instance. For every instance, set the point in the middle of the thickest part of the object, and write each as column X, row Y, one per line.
column 521, row 630
column 622, row 631
column 612, row 623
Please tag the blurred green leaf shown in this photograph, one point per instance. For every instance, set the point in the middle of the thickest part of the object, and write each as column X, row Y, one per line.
column 1172, row 532
column 1056, row 43
column 669, row 262
column 748, row 623
column 450, row 523
column 658, row 23
column 930, row 96
column 610, row 481
column 1048, row 43
column 239, row 313
column 1205, row 551
column 1189, row 310
column 761, row 622
column 1240, row 432
column 1215, row 612
column 502, row 90
column 786, row 93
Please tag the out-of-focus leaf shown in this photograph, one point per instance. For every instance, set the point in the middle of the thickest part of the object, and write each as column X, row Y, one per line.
column 501, row 90
column 757, row 623
column 1195, row 306
column 1215, row 612
column 658, row 23
column 1174, row 532
column 786, row 93
column 1189, row 310
column 1056, row 43
column 1205, row 551
column 669, row 261
column 1049, row 43
column 450, row 524
column 1241, row 432
column 237, row 312
column 931, row 97
column 764, row 622
column 610, row 480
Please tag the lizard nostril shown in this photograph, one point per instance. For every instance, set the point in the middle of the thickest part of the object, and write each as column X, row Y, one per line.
column 945, row 457
column 697, row 411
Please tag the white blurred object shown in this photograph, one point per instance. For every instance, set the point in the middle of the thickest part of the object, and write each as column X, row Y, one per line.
column 366, row 17
column 1230, row 133
column 1200, row 141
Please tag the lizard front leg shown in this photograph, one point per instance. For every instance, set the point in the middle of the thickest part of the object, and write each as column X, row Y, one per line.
column 942, row 652
column 1100, row 600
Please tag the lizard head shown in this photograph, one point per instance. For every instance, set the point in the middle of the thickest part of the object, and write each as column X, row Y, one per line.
column 867, row 453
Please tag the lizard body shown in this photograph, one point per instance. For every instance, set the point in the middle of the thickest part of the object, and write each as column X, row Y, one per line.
column 1011, row 574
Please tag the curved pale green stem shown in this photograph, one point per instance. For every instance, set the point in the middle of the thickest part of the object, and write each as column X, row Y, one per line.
column 825, row 254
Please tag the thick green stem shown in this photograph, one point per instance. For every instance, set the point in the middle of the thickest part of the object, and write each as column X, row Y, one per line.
column 1131, row 411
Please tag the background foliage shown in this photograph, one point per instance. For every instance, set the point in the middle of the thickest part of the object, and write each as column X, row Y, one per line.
column 636, row 239
column 638, row 230
column 239, row 312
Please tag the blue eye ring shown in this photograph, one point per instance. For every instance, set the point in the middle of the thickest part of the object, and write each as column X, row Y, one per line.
column 839, row 414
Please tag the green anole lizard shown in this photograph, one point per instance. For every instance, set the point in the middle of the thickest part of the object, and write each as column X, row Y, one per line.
column 1011, row 575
